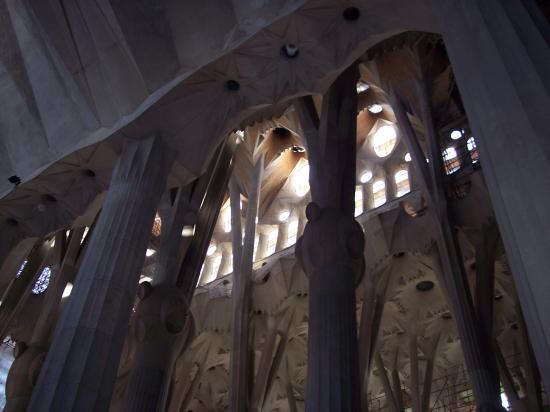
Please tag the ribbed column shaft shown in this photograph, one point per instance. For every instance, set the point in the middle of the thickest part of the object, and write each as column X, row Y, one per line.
column 159, row 320
column 331, row 248
column 80, row 369
column 332, row 342
column 503, row 99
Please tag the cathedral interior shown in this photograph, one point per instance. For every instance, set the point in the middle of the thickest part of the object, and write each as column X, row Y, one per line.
column 279, row 206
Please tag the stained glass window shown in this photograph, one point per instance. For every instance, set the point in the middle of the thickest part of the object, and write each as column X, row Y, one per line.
column 21, row 269
column 43, row 281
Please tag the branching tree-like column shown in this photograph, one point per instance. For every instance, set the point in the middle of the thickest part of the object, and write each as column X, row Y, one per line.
column 20, row 287
column 25, row 369
column 243, row 257
column 162, row 318
column 477, row 354
column 501, row 59
column 331, row 248
column 80, row 369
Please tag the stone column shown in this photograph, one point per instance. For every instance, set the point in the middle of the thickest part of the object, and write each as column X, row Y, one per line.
column 80, row 370
column 243, row 250
column 17, row 292
column 10, row 235
column 477, row 353
column 331, row 248
column 368, row 198
column 389, row 179
column 501, row 62
column 160, row 318
column 29, row 358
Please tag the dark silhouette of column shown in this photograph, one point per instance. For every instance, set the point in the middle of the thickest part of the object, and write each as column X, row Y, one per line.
column 80, row 369
column 501, row 60
column 331, row 248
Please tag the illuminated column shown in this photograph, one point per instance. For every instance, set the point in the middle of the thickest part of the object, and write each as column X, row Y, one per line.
column 243, row 251
column 80, row 370
column 331, row 248
column 501, row 59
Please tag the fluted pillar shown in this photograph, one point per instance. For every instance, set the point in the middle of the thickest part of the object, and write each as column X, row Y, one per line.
column 160, row 317
column 501, row 59
column 80, row 370
column 478, row 357
column 331, row 249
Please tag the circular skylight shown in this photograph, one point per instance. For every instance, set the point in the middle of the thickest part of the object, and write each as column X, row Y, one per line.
column 375, row 108
column 365, row 176
column 384, row 140
column 456, row 134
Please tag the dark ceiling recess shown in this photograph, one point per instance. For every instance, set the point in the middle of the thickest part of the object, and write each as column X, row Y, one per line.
column 425, row 286
column 12, row 222
column 14, row 179
column 281, row 132
column 351, row 14
column 48, row 198
column 88, row 173
column 290, row 50
column 232, row 85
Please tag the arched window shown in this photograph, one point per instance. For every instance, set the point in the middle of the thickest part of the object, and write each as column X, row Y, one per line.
column 157, row 225
column 272, row 241
column 43, row 281
column 472, row 147
column 300, row 180
column 383, row 141
column 379, row 192
column 292, row 232
column 402, row 182
column 358, row 200
column 450, row 158
column 86, row 230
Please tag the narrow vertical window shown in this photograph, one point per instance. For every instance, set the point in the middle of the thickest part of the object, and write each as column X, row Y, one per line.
column 450, row 158
column 402, row 182
column 292, row 233
column 379, row 192
column 272, row 241
column 358, row 200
